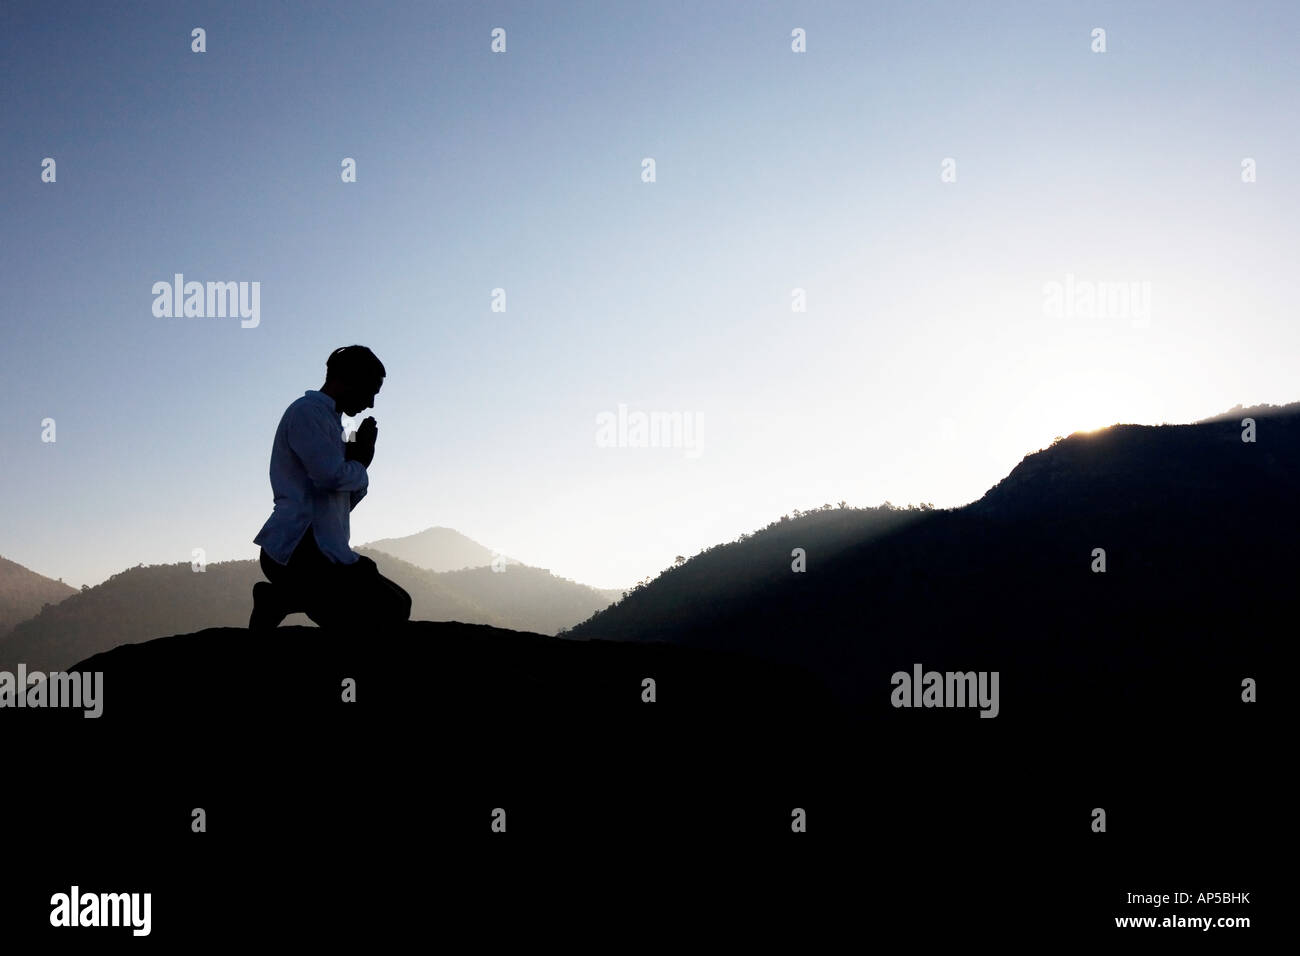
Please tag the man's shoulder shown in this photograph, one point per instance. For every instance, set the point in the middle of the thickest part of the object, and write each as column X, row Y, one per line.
column 302, row 406
column 299, row 411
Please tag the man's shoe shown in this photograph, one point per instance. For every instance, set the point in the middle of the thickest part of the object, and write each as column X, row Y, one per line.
column 268, row 611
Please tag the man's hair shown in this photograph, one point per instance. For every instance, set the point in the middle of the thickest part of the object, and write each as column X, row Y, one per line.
column 355, row 363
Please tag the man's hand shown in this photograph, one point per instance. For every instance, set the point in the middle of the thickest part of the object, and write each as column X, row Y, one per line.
column 362, row 447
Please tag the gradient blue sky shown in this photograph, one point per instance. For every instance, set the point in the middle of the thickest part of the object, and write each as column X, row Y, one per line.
column 923, row 370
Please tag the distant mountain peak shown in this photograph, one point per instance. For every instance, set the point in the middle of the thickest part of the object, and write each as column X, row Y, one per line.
column 440, row 549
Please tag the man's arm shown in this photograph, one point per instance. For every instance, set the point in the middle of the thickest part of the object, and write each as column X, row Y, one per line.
column 313, row 441
column 356, row 498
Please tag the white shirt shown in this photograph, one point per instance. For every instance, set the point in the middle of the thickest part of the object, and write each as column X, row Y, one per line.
column 314, row 486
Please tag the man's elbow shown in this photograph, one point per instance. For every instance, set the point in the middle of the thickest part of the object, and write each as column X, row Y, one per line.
column 342, row 480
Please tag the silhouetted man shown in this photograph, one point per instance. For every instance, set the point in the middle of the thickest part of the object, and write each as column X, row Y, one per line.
column 317, row 479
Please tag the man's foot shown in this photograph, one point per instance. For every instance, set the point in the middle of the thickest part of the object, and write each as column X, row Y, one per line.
column 268, row 612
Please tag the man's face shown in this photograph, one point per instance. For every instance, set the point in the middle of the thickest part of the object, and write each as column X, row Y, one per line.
column 359, row 396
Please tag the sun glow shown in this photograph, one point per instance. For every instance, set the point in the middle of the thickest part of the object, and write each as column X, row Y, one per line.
column 1087, row 407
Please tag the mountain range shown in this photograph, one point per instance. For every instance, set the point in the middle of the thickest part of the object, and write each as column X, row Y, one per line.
column 54, row 626
column 1165, row 552
column 1196, row 529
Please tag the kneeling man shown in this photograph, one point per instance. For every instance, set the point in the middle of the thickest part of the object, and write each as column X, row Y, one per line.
column 317, row 479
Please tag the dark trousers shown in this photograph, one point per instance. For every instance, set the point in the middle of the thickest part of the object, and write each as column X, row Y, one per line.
column 352, row 596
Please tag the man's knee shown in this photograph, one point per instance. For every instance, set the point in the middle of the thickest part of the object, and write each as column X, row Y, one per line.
column 379, row 599
column 398, row 602
column 361, row 596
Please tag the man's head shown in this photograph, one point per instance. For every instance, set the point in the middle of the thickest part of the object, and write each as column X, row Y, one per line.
column 353, row 376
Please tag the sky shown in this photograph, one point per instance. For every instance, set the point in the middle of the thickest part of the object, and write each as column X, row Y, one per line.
column 953, row 187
